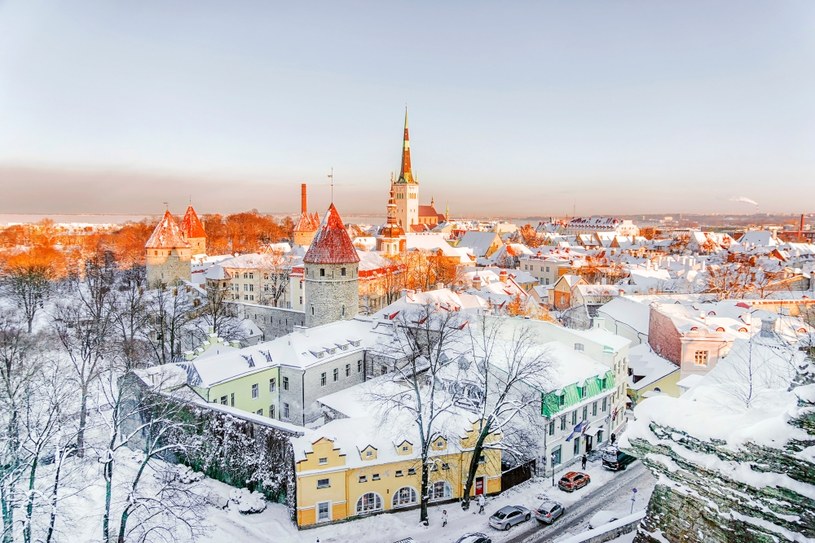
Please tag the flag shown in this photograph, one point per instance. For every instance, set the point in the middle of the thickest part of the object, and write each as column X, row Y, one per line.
column 577, row 430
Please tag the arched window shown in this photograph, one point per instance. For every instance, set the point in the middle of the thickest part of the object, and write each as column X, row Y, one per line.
column 369, row 503
column 404, row 496
column 441, row 490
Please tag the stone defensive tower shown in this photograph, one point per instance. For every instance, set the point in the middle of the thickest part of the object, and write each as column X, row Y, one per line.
column 194, row 232
column 168, row 254
column 331, row 269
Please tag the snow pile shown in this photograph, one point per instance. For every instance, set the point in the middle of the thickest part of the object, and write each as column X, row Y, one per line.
column 247, row 502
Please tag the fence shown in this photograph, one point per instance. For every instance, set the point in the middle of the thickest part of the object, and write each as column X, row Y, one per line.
column 517, row 475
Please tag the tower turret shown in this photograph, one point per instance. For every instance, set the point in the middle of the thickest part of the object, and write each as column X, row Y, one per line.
column 194, row 232
column 167, row 253
column 331, row 269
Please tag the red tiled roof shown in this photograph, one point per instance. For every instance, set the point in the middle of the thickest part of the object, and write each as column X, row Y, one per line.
column 331, row 244
column 191, row 225
column 427, row 211
column 307, row 223
column 167, row 235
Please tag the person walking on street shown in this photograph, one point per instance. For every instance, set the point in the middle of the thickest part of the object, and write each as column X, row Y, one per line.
column 481, row 503
column 443, row 518
column 584, row 460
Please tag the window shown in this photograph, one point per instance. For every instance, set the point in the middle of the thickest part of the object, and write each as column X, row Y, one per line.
column 375, row 477
column 232, row 399
column 585, row 412
column 285, row 411
column 594, row 409
column 323, row 511
column 561, row 400
column 563, row 422
column 272, row 384
column 369, row 453
column 342, row 272
column 552, row 428
column 411, row 471
column 574, row 416
column 440, row 490
column 322, row 272
column 359, row 366
column 399, row 473
column 312, row 310
column 259, row 412
column 404, row 496
column 322, row 461
column 348, row 370
column 404, row 448
column 322, row 379
column 369, row 503
column 271, row 411
column 605, row 403
column 223, row 400
column 576, row 446
column 255, row 391
column 363, row 478
column 581, row 391
column 556, row 456
column 336, row 374
column 700, row 358
column 482, row 459
column 323, row 483
column 285, row 383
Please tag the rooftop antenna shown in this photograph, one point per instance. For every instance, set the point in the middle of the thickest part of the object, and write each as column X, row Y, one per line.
column 331, row 177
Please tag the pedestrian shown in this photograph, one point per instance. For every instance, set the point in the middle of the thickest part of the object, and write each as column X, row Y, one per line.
column 584, row 460
column 481, row 503
column 443, row 518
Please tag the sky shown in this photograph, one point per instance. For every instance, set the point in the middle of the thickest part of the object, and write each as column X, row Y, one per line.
column 516, row 108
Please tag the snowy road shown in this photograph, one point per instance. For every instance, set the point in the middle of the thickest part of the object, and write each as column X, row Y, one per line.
column 614, row 495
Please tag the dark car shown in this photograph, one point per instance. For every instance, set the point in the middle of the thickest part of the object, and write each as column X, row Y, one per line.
column 573, row 480
column 615, row 459
column 549, row 511
column 507, row 517
column 475, row 537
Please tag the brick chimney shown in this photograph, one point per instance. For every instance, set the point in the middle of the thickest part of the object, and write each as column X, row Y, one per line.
column 303, row 199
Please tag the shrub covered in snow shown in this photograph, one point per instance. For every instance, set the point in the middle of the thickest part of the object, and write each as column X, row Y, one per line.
column 247, row 502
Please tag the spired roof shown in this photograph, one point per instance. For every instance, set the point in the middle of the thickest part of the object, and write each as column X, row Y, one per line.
column 191, row 225
column 406, row 172
column 167, row 235
column 331, row 244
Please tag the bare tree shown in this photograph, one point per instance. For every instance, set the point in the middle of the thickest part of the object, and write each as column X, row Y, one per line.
column 275, row 268
column 425, row 343
column 510, row 369
column 130, row 316
column 29, row 285
column 170, row 310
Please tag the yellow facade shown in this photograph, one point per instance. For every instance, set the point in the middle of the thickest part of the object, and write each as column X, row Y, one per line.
column 666, row 385
column 332, row 487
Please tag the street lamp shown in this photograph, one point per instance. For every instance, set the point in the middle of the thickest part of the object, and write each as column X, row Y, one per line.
column 633, row 498
column 553, row 468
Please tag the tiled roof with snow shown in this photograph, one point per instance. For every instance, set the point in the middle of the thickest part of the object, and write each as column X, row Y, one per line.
column 331, row 244
column 191, row 225
column 167, row 235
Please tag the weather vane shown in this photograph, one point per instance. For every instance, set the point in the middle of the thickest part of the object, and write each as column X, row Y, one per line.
column 331, row 177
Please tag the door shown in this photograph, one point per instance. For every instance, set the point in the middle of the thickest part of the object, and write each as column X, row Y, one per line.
column 479, row 486
column 589, row 443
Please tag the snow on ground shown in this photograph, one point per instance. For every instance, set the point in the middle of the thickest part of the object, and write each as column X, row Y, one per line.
column 274, row 524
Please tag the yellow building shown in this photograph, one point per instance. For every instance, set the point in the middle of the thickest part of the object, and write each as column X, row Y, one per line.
column 360, row 466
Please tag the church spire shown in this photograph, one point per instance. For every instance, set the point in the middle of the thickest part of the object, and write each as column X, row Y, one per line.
column 406, row 174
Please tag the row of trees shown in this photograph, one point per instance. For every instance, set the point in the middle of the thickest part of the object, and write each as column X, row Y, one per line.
column 65, row 343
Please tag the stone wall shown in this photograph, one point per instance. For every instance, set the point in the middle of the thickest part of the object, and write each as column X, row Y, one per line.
column 167, row 266
column 273, row 321
column 332, row 296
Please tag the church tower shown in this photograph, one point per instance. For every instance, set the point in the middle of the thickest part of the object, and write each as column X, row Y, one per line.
column 168, row 254
column 194, row 232
column 331, row 269
column 406, row 188
column 391, row 239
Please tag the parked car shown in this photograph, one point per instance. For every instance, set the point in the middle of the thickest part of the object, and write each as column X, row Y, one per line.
column 475, row 537
column 604, row 517
column 615, row 459
column 573, row 480
column 406, row 540
column 507, row 517
column 549, row 511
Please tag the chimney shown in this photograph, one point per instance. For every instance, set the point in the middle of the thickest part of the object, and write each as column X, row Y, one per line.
column 767, row 327
column 477, row 282
column 502, row 275
column 303, row 199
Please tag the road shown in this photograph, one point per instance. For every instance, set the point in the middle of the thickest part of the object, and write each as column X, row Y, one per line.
column 614, row 495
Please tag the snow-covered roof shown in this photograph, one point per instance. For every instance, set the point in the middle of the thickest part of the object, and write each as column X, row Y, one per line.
column 331, row 244
column 628, row 311
column 191, row 225
column 647, row 367
column 167, row 235
column 478, row 242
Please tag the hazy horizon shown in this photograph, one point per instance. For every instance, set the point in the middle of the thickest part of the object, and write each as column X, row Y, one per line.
column 601, row 108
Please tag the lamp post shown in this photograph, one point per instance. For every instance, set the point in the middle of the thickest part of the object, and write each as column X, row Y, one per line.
column 633, row 498
column 553, row 468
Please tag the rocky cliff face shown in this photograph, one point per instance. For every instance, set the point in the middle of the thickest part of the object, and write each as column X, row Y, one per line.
column 730, row 471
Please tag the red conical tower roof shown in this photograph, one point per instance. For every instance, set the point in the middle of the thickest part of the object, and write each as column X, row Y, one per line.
column 331, row 244
column 167, row 235
column 191, row 225
column 406, row 173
